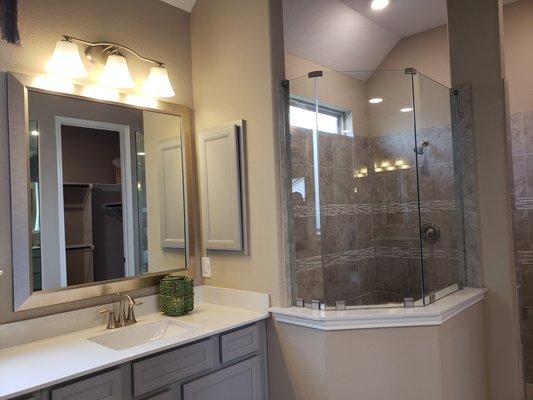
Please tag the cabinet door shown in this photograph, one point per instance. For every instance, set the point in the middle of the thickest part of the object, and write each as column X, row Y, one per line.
column 107, row 386
column 222, row 184
column 241, row 381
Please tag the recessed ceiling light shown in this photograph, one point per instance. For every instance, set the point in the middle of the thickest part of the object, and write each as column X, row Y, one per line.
column 379, row 4
column 375, row 100
column 406, row 109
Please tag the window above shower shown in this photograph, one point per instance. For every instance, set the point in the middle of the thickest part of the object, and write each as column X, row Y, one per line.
column 328, row 119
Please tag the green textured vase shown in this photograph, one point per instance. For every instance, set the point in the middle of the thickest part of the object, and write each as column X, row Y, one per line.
column 176, row 296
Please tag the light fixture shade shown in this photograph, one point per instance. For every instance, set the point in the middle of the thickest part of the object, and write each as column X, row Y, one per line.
column 158, row 83
column 66, row 61
column 116, row 72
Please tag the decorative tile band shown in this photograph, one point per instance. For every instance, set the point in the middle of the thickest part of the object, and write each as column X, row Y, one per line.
column 524, row 203
column 309, row 263
column 525, row 257
column 414, row 252
column 334, row 258
column 331, row 210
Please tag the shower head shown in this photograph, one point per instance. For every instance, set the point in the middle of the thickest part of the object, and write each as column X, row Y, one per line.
column 420, row 149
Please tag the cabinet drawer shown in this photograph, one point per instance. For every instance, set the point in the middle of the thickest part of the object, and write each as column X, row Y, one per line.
column 167, row 395
column 107, row 386
column 241, row 381
column 161, row 370
column 239, row 343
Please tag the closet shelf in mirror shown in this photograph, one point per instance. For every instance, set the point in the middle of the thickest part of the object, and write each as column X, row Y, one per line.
column 71, row 247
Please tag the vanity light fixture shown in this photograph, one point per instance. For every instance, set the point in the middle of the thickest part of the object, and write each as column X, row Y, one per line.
column 66, row 62
column 406, row 109
column 375, row 100
column 116, row 72
column 379, row 4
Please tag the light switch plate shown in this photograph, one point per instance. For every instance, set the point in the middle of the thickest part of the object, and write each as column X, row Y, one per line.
column 206, row 267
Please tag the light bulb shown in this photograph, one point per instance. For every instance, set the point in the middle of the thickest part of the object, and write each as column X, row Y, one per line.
column 158, row 83
column 116, row 72
column 375, row 100
column 66, row 61
column 379, row 4
column 406, row 109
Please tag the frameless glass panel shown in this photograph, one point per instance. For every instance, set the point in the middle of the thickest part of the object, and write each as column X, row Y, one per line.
column 369, row 213
column 307, row 260
column 440, row 205
column 356, row 220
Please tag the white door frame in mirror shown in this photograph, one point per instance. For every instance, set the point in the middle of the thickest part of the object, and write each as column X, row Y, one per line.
column 127, row 191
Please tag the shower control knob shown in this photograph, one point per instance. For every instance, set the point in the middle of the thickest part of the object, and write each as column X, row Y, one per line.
column 431, row 232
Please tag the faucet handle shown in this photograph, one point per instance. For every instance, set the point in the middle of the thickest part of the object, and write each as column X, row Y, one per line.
column 130, row 319
column 111, row 322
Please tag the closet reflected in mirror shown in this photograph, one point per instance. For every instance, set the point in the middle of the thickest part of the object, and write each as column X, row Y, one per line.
column 106, row 185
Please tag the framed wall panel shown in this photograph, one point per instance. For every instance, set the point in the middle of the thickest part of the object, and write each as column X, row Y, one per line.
column 222, row 187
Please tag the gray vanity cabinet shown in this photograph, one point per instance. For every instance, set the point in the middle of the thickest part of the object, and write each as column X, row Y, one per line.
column 228, row 366
column 241, row 381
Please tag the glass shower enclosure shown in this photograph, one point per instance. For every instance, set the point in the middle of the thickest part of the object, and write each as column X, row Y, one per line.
column 375, row 210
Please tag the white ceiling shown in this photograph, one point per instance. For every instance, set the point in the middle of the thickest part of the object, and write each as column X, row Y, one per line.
column 185, row 5
column 347, row 35
column 332, row 34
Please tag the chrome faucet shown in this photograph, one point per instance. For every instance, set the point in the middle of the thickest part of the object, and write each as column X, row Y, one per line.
column 124, row 318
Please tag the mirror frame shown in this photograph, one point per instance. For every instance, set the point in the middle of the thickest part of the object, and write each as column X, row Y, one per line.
column 24, row 298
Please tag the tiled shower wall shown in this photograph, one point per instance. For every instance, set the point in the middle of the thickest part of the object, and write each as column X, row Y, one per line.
column 522, row 212
column 368, row 251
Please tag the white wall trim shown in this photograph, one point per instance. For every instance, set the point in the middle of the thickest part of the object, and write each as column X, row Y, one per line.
column 433, row 315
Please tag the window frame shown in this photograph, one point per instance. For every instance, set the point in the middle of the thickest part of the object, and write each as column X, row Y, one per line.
column 340, row 115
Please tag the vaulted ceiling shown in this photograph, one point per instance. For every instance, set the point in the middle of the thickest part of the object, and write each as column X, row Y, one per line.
column 347, row 35
column 185, row 5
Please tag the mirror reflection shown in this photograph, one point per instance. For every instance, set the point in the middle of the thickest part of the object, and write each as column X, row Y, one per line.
column 107, row 191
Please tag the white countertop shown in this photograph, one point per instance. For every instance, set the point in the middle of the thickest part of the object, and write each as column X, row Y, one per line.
column 39, row 364
column 433, row 314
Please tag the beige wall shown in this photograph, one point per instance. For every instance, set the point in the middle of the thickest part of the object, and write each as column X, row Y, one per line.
column 237, row 58
column 157, row 128
column 149, row 26
column 428, row 363
column 428, row 52
column 476, row 55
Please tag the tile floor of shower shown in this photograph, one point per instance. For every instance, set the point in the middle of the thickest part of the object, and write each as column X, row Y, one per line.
column 368, row 251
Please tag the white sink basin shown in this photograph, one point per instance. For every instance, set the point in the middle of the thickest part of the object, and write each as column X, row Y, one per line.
column 135, row 335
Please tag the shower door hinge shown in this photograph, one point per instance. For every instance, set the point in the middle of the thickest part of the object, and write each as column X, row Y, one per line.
column 411, row 71
column 285, row 83
column 340, row 305
column 408, row 302
column 315, row 74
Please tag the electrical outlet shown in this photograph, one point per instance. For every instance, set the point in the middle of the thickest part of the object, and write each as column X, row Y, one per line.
column 206, row 267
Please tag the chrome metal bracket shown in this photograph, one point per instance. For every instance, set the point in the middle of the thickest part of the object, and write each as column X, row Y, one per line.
column 408, row 302
column 340, row 305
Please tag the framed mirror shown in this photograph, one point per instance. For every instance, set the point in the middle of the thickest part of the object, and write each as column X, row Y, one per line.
column 99, row 193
